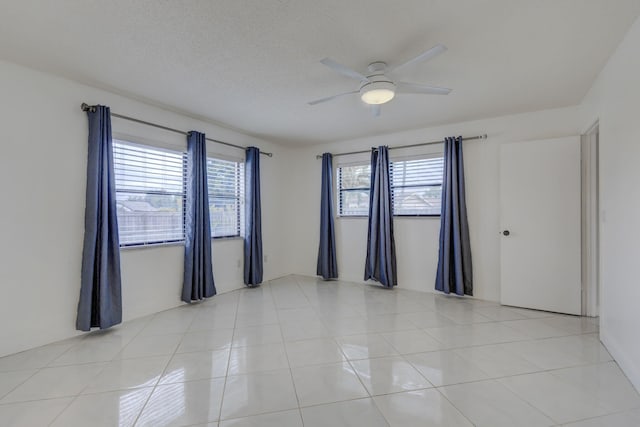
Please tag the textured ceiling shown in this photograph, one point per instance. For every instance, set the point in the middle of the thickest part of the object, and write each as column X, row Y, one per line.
column 252, row 65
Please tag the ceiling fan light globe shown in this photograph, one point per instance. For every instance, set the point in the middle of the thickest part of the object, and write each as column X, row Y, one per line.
column 378, row 96
column 376, row 93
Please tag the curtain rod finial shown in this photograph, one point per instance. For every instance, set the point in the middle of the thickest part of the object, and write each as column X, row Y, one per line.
column 86, row 107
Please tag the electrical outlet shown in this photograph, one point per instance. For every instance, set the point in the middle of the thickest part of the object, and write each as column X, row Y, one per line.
column 238, row 264
column 265, row 258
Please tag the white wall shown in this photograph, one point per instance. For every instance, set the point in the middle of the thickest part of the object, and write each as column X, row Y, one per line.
column 417, row 238
column 614, row 100
column 43, row 134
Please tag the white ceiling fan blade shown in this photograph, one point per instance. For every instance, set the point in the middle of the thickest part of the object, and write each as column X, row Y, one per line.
column 375, row 110
column 329, row 98
column 342, row 69
column 425, row 56
column 404, row 87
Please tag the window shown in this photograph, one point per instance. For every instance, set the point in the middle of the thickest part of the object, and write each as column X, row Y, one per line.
column 150, row 193
column 353, row 190
column 416, row 187
column 226, row 196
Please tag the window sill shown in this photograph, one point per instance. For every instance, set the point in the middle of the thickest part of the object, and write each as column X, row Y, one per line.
column 394, row 217
column 224, row 239
column 151, row 245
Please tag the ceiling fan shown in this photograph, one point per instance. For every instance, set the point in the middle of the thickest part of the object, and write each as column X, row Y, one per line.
column 377, row 87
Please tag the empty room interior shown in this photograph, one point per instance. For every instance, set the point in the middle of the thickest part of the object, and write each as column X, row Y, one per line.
column 320, row 213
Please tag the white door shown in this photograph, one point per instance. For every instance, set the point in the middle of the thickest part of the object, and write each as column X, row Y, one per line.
column 540, row 215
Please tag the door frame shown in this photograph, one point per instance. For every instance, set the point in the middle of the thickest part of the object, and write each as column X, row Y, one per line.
column 589, row 148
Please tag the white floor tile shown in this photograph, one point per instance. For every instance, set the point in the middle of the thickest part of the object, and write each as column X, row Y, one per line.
column 50, row 383
column 475, row 334
column 446, row 367
column 620, row 419
column 256, row 335
column 277, row 419
column 499, row 313
column 91, row 350
column 10, row 380
column 258, row 393
column 557, row 399
column 366, row 346
column 153, row 345
column 218, row 339
column 31, row 414
column 416, row 341
column 352, row 413
column 496, row 361
column 294, row 331
column 119, row 408
column 199, row 365
column 256, row 317
column 313, row 352
column 183, row 404
column 428, row 319
column 490, row 404
column 327, row 384
column 128, row 373
column 420, row 408
column 259, row 358
column 389, row 375
column 605, row 381
column 35, row 358
column 536, row 328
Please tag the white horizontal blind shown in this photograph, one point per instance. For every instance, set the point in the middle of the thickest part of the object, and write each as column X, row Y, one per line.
column 353, row 190
column 225, row 181
column 416, row 186
column 150, row 193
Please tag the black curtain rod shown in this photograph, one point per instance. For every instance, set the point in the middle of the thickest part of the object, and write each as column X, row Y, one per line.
column 87, row 107
column 470, row 138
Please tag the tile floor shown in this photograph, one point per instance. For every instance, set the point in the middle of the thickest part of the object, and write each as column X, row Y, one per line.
column 302, row 352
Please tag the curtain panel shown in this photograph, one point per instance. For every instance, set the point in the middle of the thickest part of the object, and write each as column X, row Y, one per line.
column 327, row 264
column 455, row 272
column 380, row 264
column 253, row 219
column 100, row 303
column 198, row 268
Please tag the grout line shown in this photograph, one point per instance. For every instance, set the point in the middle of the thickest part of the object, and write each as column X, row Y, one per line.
column 226, row 375
column 165, row 366
column 286, row 353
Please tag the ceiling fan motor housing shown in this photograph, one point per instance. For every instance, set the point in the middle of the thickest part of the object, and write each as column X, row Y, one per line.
column 378, row 88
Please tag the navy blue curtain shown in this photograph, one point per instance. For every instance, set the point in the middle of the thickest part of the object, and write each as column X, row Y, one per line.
column 253, row 221
column 380, row 264
column 100, row 303
column 198, row 270
column 454, row 258
column 327, row 263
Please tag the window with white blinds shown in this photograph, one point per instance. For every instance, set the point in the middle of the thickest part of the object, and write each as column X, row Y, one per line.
column 226, row 196
column 353, row 190
column 416, row 187
column 150, row 193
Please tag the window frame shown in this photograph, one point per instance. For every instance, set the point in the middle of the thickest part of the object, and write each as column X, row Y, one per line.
column 424, row 156
column 240, row 191
column 339, row 191
column 135, row 142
